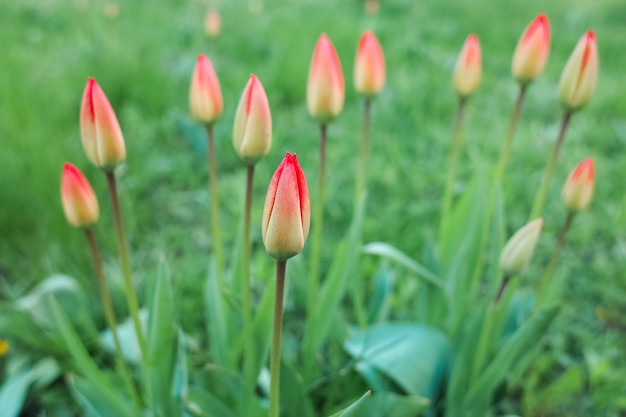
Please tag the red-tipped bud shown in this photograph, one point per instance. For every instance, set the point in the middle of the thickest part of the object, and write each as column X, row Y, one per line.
column 468, row 69
column 205, row 95
column 520, row 247
column 579, row 77
column 369, row 68
column 531, row 53
column 212, row 23
column 578, row 188
column 325, row 87
column 252, row 132
column 99, row 129
column 79, row 201
column 287, row 211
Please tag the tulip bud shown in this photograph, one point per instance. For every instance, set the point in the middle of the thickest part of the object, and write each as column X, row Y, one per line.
column 287, row 212
column 369, row 69
column 212, row 23
column 100, row 132
column 468, row 67
column 325, row 88
column 531, row 52
column 520, row 247
column 252, row 132
column 578, row 188
column 578, row 79
column 205, row 95
column 79, row 201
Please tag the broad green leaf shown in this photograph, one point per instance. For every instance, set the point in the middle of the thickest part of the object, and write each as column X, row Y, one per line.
column 232, row 390
column 513, row 350
column 162, row 348
column 13, row 392
column 412, row 356
column 390, row 252
column 294, row 399
column 216, row 311
column 203, row 404
column 356, row 409
column 379, row 299
column 335, row 285
column 376, row 380
column 102, row 403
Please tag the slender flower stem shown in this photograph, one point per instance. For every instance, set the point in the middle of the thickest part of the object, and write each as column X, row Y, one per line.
column 452, row 163
column 249, row 349
column 508, row 142
column 364, row 150
column 317, row 224
column 554, row 257
column 281, row 266
column 540, row 198
column 503, row 285
column 122, row 246
column 109, row 315
column 215, row 215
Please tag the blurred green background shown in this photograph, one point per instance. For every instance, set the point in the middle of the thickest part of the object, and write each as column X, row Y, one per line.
column 142, row 54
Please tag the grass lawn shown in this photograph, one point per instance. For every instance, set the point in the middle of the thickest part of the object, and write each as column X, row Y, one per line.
column 143, row 58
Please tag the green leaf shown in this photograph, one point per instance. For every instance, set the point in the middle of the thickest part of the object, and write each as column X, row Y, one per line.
column 294, row 399
column 102, row 403
column 216, row 310
column 162, row 348
column 335, row 285
column 412, row 356
column 356, row 408
column 379, row 299
column 203, row 404
column 13, row 393
column 390, row 252
column 128, row 338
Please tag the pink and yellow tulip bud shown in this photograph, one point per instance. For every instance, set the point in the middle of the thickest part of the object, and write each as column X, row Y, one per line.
column 325, row 88
column 99, row 129
column 579, row 77
column 205, row 95
column 369, row 69
column 287, row 212
column 252, row 132
column 578, row 188
column 468, row 69
column 531, row 53
column 519, row 249
column 79, row 201
column 212, row 23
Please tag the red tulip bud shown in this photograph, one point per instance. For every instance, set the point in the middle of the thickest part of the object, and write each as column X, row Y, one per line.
column 369, row 69
column 578, row 188
column 531, row 53
column 79, row 201
column 468, row 67
column 205, row 95
column 325, row 87
column 287, row 212
column 100, row 132
column 252, row 132
column 579, row 77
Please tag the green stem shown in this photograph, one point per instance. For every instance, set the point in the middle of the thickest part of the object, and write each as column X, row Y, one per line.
column 317, row 225
column 122, row 246
column 248, row 351
column 109, row 315
column 452, row 164
column 215, row 215
column 503, row 285
column 554, row 257
column 540, row 198
column 508, row 142
column 364, row 149
column 281, row 266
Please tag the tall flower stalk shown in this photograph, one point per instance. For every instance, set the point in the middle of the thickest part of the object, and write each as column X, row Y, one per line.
column 81, row 210
column 103, row 144
column 252, row 139
column 576, row 86
column 206, row 105
column 325, row 99
column 286, row 220
column 466, row 79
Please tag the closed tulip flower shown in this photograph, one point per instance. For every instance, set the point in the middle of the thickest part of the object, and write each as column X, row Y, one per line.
column 579, row 77
column 468, row 69
column 252, row 132
column 369, row 68
column 578, row 188
column 520, row 248
column 325, row 87
column 79, row 201
column 205, row 95
column 99, row 129
column 531, row 53
column 287, row 212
